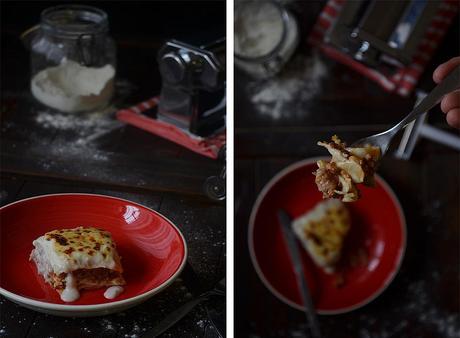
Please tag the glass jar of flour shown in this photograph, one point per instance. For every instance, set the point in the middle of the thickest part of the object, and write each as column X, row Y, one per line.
column 266, row 36
column 73, row 58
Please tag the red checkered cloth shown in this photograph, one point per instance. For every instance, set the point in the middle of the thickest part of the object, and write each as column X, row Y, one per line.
column 209, row 146
column 405, row 79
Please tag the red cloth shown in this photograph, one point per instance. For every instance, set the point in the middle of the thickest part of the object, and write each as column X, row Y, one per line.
column 405, row 79
column 205, row 146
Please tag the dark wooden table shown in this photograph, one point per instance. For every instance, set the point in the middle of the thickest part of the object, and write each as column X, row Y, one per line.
column 106, row 157
column 423, row 300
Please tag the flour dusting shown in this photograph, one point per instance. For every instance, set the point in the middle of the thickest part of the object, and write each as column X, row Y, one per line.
column 83, row 131
column 445, row 324
column 86, row 125
column 286, row 94
column 420, row 309
column 417, row 309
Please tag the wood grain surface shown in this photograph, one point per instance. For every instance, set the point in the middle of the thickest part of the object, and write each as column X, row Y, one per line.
column 39, row 156
column 423, row 300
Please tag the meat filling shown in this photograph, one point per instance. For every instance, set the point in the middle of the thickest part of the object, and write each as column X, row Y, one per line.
column 88, row 278
column 327, row 179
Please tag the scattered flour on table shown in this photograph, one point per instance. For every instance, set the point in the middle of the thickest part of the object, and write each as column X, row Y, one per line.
column 108, row 325
column 446, row 324
column 133, row 332
column 419, row 310
column 84, row 128
column 286, row 94
column 87, row 126
column 145, row 319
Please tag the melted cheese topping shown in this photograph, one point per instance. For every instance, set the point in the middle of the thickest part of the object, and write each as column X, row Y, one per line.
column 322, row 232
column 67, row 250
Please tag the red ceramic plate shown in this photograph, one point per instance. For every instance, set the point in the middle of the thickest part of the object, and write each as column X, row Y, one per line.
column 378, row 228
column 153, row 250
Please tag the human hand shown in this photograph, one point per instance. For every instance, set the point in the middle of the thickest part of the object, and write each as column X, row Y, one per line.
column 450, row 104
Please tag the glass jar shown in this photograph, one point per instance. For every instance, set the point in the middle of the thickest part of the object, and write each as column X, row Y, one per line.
column 266, row 36
column 77, row 36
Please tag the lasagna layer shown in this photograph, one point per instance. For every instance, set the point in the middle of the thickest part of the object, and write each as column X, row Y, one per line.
column 322, row 232
column 75, row 259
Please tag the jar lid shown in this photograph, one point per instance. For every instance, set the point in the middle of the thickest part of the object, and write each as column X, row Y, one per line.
column 74, row 20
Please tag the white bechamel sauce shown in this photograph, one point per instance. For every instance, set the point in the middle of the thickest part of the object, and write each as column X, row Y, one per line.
column 59, row 263
column 112, row 292
column 70, row 293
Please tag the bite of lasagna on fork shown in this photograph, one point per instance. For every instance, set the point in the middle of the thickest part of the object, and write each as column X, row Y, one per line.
column 71, row 260
column 349, row 166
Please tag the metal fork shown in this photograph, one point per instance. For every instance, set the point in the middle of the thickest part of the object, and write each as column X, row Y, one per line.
column 182, row 311
column 383, row 140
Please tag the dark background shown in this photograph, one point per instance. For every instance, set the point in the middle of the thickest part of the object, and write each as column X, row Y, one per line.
column 138, row 27
column 124, row 162
column 423, row 299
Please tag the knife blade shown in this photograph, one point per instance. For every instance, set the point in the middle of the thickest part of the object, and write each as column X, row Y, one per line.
column 296, row 260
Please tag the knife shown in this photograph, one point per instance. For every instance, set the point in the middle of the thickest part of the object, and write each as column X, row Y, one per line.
column 294, row 254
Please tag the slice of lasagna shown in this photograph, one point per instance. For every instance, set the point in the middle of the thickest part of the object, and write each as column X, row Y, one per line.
column 74, row 259
column 348, row 167
column 322, row 232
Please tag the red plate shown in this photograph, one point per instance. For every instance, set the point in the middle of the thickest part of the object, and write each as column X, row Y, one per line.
column 378, row 227
column 153, row 250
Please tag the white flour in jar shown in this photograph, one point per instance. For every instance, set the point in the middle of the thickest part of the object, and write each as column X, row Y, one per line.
column 71, row 87
column 258, row 29
column 266, row 36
